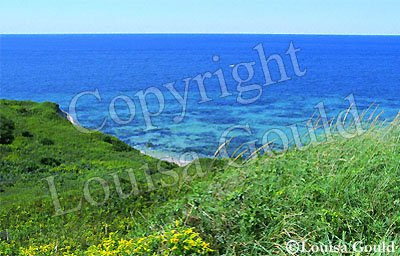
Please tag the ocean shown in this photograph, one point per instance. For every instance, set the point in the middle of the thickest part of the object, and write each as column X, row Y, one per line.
column 135, row 87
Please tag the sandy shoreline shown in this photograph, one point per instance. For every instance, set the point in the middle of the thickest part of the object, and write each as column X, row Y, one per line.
column 165, row 157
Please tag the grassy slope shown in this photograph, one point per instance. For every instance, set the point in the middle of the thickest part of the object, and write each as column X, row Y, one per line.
column 45, row 144
column 343, row 191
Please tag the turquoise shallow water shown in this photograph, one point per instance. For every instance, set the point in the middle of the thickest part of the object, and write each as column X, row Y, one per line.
column 58, row 67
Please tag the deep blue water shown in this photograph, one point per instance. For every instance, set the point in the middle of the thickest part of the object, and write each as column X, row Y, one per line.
column 58, row 67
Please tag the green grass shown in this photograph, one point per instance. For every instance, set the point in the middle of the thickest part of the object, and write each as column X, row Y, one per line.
column 339, row 192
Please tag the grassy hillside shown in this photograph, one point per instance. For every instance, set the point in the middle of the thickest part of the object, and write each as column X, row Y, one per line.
column 338, row 192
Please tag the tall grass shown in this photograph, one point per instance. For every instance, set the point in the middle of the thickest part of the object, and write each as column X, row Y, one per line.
column 338, row 192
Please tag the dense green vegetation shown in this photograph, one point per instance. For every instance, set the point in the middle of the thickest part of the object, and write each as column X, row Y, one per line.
column 339, row 192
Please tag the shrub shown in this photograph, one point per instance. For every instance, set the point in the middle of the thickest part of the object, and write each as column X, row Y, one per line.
column 50, row 161
column 28, row 166
column 22, row 110
column 108, row 139
column 27, row 134
column 46, row 142
column 118, row 145
column 6, row 130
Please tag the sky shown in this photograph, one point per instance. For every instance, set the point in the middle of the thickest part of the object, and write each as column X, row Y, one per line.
column 200, row 16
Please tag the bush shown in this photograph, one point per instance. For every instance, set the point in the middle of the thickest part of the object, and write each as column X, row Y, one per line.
column 30, row 167
column 46, row 142
column 50, row 161
column 22, row 110
column 108, row 139
column 118, row 145
column 27, row 134
column 6, row 130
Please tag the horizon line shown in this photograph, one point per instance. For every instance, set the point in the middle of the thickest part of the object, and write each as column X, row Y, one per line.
column 196, row 33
